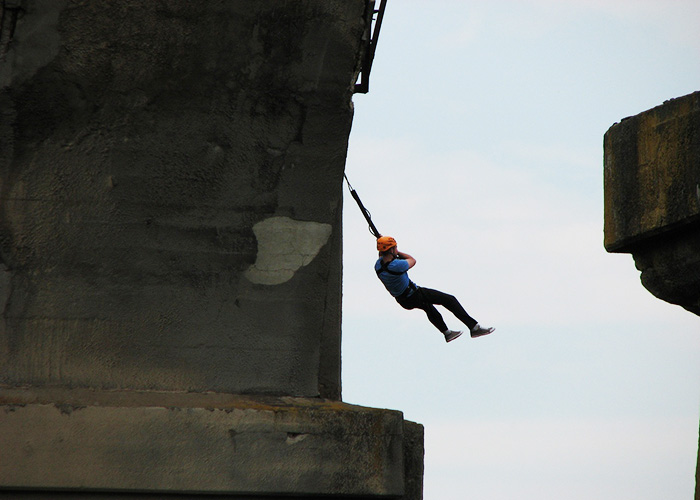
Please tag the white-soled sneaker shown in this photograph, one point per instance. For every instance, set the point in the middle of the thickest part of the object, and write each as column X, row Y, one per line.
column 450, row 335
column 480, row 331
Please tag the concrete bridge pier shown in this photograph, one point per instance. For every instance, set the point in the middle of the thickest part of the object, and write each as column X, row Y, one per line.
column 171, row 254
column 652, row 200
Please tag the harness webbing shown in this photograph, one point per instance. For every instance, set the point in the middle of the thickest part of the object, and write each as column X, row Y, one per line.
column 365, row 212
column 385, row 269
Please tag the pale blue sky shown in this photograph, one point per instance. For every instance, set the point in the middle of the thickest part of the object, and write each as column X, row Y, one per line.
column 479, row 147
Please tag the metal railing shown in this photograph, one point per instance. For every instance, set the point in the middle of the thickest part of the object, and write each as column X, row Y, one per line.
column 370, row 40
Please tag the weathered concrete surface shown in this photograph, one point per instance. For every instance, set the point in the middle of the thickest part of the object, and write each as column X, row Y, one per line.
column 652, row 173
column 652, row 197
column 170, row 235
column 203, row 443
column 142, row 144
column 284, row 246
column 414, row 453
column 652, row 200
column 670, row 268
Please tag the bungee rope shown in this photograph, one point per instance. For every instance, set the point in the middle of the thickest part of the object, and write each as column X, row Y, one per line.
column 368, row 216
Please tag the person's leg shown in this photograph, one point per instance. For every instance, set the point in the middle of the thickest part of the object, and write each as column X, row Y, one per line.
column 419, row 301
column 435, row 317
column 450, row 303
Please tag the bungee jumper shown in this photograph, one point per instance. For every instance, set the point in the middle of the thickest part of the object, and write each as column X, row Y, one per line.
column 392, row 269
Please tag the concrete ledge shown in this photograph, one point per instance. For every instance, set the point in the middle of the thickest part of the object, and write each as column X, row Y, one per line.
column 243, row 445
column 652, row 174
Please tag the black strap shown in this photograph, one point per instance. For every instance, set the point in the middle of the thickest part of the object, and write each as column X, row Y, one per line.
column 365, row 212
column 412, row 287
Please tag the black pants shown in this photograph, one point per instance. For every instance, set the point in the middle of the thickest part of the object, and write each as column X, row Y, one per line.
column 425, row 298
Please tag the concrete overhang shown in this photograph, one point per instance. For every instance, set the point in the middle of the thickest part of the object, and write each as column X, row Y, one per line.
column 652, row 174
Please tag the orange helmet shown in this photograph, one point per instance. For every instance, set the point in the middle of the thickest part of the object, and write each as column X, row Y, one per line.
column 384, row 243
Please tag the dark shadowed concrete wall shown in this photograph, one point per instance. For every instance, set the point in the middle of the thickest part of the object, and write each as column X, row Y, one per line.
column 652, row 197
column 171, row 250
column 170, row 185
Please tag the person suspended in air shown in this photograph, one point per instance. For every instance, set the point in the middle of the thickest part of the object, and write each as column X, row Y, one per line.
column 392, row 269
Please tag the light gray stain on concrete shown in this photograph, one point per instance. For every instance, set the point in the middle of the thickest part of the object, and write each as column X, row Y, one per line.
column 284, row 246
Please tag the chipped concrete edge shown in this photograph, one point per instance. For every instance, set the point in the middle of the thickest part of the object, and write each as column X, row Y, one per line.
column 295, row 450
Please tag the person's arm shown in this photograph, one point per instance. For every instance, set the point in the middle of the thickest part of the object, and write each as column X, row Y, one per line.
column 411, row 261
